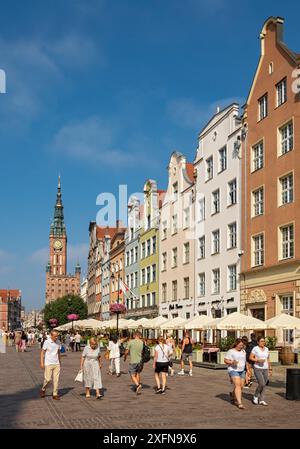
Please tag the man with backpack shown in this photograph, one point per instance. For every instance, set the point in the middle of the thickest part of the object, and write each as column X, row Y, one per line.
column 135, row 349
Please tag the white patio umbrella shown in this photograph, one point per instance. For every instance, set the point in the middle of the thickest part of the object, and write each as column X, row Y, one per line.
column 236, row 321
column 142, row 322
column 175, row 323
column 198, row 322
column 155, row 323
column 90, row 323
column 64, row 327
column 112, row 324
column 283, row 321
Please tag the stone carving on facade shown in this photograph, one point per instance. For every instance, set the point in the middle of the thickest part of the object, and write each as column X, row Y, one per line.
column 257, row 295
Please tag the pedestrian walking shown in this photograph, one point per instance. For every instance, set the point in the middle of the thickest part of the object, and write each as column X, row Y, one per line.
column 72, row 342
column 114, row 355
column 186, row 354
column 11, row 338
column 248, row 367
column 68, row 341
column 50, row 362
column 90, row 364
column 236, row 360
column 161, row 362
column 262, row 369
column 24, row 340
column 171, row 343
column 77, row 341
column 135, row 350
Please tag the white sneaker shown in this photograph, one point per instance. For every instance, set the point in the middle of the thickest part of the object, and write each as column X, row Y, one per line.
column 191, row 373
column 255, row 400
column 181, row 373
column 263, row 403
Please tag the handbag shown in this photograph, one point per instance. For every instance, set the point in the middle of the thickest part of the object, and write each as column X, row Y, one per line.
column 79, row 377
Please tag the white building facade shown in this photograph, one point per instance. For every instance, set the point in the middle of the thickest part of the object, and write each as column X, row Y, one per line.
column 218, row 215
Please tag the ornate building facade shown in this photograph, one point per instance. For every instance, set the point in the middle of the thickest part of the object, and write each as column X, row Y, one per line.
column 58, row 282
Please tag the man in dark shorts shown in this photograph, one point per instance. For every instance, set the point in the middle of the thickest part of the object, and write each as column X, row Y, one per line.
column 186, row 354
column 135, row 349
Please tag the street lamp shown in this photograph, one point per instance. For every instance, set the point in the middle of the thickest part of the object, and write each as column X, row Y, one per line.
column 117, row 308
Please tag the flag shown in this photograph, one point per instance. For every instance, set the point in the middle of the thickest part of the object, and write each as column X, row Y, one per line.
column 123, row 288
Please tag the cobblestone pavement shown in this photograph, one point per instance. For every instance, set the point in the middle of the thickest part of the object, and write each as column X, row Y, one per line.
column 201, row 401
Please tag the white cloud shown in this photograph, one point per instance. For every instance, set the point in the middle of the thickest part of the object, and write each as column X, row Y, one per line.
column 95, row 141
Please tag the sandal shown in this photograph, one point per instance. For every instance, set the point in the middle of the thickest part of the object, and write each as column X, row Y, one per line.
column 87, row 396
column 240, row 406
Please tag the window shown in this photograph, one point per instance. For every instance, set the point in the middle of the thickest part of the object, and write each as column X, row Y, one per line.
column 232, row 277
column 186, row 286
column 153, row 299
column 186, row 253
column 286, row 135
column 175, row 191
column 131, row 280
column 174, row 257
column 216, row 242
column 287, row 185
column 258, row 202
column 131, row 256
column 143, row 276
column 153, row 273
column 187, row 316
column 216, row 280
column 154, row 245
column 263, row 107
column 164, row 292
column 136, row 279
column 143, row 301
column 232, row 192
column 164, row 261
column 201, row 241
column 209, row 168
column 258, row 250
column 186, row 217
column 222, row 159
column 202, row 209
column 143, row 250
column 216, row 202
column 148, row 247
column 201, row 284
column 136, row 253
column 287, row 241
column 148, row 300
column 287, row 303
column 258, row 156
column 149, row 221
column 127, row 280
column 127, row 258
column 232, row 236
column 148, row 275
column 174, row 290
column 281, row 92
column 164, row 231
column 174, row 224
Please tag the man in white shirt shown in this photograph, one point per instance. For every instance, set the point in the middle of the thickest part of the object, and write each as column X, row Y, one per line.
column 50, row 362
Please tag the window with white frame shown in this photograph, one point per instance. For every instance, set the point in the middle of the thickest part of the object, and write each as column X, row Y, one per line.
column 164, row 292
column 127, row 279
column 258, row 202
column 148, row 280
column 263, row 107
column 174, row 224
column 216, row 280
column 136, row 249
column 281, row 92
column 186, row 253
column 164, row 230
column 286, row 135
column 148, row 247
column 154, row 273
column 186, row 287
column 201, row 284
column 232, row 235
column 287, row 303
column 164, row 261
column 148, row 304
column 153, row 299
column 143, row 276
column 143, row 250
column 201, row 209
column 174, row 257
column 201, row 246
column 175, row 191
column 186, row 218
column 136, row 279
column 131, row 280
column 174, row 290
column 287, row 241
column 232, row 196
column 232, row 277
column 154, row 244
column 209, row 168
column 287, row 188
column 222, row 159
column 131, row 256
column 215, row 202
column 215, row 242
column 127, row 259
column 258, row 156
column 258, row 250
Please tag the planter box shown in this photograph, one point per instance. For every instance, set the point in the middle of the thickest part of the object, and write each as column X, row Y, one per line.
column 198, row 355
column 274, row 356
column 152, row 350
column 220, row 357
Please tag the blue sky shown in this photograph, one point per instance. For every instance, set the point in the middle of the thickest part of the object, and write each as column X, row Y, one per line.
column 102, row 92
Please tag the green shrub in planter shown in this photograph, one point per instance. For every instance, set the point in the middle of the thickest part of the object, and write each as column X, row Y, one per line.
column 271, row 343
column 226, row 343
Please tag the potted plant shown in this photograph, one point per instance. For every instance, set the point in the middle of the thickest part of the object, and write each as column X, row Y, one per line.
column 271, row 345
column 224, row 345
column 197, row 353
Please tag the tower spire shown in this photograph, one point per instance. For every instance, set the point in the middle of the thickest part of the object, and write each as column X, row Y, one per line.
column 58, row 228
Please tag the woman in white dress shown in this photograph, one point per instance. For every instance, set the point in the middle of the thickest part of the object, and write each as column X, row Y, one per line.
column 91, row 365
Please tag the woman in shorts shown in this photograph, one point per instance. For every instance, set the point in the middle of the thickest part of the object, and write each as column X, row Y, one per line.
column 161, row 364
column 236, row 361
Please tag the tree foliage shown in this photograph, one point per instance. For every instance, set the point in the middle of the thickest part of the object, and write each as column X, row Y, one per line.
column 62, row 307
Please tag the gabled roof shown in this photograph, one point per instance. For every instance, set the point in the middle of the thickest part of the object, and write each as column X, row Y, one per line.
column 102, row 231
column 10, row 293
column 218, row 116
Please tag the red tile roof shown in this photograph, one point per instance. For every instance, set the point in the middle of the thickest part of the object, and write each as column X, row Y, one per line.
column 161, row 196
column 105, row 230
column 4, row 294
column 190, row 171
